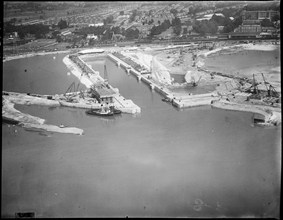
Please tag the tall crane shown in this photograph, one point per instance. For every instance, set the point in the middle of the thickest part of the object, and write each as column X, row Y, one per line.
column 196, row 83
column 254, row 85
column 265, row 83
column 105, row 74
column 271, row 92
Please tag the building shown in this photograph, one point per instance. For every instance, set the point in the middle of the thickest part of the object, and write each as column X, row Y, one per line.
column 256, row 28
column 91, row 36
column 103, row 93
column 252, row 22
column 259, row 15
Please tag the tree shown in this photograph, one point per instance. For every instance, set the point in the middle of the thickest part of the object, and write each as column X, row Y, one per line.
column 275, row 18
column 58, row 38
column 109, row 19
column 177, row 29
column 185, row 31
column 133, row 15
column 62, row 24
column 266, row 23
column 21, row 34
column 55, row 33
column 176, row 22
column 173, row 11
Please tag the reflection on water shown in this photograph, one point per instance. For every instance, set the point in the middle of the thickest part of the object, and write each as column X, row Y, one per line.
column 198, row 162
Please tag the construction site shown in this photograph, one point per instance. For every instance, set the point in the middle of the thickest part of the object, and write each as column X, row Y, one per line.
column 197, row 85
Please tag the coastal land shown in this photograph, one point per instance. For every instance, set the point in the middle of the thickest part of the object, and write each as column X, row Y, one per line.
column 183, row 74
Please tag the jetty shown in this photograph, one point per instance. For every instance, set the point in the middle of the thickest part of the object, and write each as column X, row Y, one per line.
column 100, row 87
column 13, row 116
column 179, row 101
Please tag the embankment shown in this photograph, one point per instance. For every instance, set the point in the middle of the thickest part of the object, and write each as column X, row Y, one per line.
column 29, row 121
column 271, row 116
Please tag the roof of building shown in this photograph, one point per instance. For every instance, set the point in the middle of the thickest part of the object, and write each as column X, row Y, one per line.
column 244, row 33
column 93, row 50
column 103, row 91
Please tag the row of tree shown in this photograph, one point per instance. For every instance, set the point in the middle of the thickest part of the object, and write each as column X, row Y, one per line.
column 106, row 33
column 38, row 30
column 211, row 26
column 175, row 24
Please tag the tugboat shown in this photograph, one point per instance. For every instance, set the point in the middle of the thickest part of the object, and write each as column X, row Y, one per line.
column 166, row 100
column 100, row 112
column 115, row 111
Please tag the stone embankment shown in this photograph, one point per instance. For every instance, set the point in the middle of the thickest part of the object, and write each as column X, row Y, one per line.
column 28, row 121
column 272, row 116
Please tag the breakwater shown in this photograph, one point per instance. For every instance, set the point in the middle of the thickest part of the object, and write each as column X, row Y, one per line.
column 12, row 115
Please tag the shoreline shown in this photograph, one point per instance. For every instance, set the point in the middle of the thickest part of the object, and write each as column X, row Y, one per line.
column 178, row 100
column 235, row 48
column 32, row 122
column 32, row 54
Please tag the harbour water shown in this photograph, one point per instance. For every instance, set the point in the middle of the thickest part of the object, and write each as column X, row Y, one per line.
column 198, row 162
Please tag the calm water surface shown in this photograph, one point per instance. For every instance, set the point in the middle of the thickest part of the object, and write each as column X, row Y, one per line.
column 199, row 162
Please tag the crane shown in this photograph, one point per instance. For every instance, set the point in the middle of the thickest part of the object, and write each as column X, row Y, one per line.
column 196, row 83
column 254, row 85
column 105, row 74
column 271, row 92
column 72, row 88
column 265, row 83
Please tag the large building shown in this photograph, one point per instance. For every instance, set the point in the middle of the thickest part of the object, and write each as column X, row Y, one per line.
column 252, row 21
column 259, row 15
column 103, row 93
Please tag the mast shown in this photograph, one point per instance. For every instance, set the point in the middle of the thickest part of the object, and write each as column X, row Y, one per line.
column 105, row 74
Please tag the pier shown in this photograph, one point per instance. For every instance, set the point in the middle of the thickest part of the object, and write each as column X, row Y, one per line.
column 93, row 78
column 141, row 77
column 178, row 101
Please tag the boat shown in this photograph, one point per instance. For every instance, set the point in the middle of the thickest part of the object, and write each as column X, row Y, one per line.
column 100, row 112
column 115, row 111
column 166, row 100
column 7, row 120
column 112, row 109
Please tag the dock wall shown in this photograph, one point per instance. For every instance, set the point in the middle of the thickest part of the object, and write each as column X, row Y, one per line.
column 93, row 77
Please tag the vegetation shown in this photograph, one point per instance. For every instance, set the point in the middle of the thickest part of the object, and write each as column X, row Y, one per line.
column 133, row 16
column 108, row 20
column 62, row 24
column 38, row 30
column 155, row 30
column 205, row 26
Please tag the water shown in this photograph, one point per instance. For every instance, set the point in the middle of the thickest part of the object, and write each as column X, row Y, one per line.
column 156, row 164
column 31, row 75
column 247, row 62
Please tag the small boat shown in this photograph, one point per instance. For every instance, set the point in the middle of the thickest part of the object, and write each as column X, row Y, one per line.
column 166, row 100
column 100, row 112
column 7, row 120
column 115, row 111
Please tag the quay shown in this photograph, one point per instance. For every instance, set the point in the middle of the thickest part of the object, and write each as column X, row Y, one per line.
column 91, row 78
column 179, row 101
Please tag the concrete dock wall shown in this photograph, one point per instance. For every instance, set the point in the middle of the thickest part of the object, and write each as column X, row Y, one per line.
column 125, row 105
